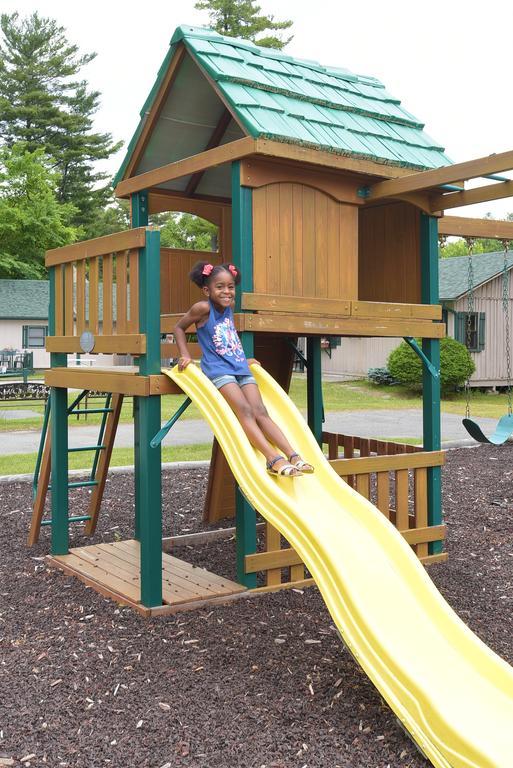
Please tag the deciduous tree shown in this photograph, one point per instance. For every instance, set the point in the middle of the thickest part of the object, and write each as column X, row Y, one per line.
column 32, row 220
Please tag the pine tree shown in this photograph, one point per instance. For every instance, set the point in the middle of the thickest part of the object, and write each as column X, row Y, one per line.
column 44, row 104
column 242, row 18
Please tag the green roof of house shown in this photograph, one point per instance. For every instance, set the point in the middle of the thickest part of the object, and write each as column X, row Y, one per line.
column 24, row 299
column 453, row 273
column 273, row 95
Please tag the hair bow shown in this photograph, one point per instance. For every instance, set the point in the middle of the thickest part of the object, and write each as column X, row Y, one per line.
column 207, row 269
column 232, row 270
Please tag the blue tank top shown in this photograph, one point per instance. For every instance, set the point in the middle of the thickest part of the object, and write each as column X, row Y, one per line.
column 220, row 344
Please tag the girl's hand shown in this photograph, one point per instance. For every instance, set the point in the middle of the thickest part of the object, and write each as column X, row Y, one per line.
column 252, row 361
column 183, row 362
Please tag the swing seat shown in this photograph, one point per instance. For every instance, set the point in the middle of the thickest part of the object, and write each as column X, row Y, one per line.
column 503, row 430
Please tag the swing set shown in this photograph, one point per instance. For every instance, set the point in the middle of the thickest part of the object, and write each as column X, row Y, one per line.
column 504, row 428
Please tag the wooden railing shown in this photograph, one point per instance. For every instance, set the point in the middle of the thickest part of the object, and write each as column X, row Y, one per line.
column 393, row 476
column 260, row 302
column 305, row 315
column 97, row 290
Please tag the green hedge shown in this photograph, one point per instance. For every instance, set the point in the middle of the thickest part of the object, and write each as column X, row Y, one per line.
column 456, row 365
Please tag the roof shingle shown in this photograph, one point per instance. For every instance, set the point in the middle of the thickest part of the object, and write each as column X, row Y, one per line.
column 453, row 272
column 279, row 97
column 24, row 299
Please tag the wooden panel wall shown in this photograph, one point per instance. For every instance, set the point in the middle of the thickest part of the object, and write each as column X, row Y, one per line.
column 177, row 293
column 389, row 253
column 304, row 243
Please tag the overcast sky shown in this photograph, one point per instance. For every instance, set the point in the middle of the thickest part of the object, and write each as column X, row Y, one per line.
column 446, row 61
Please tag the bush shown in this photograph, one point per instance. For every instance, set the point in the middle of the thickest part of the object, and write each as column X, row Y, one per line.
column 381, row 376
column 456, row 365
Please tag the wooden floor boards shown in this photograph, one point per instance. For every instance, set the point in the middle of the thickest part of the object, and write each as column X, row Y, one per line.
column 114, row 571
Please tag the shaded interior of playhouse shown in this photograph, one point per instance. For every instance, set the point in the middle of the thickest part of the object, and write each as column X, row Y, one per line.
column 329, row 197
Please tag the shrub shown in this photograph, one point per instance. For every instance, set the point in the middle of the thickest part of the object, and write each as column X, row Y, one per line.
column 456, row 365
column 381, row 376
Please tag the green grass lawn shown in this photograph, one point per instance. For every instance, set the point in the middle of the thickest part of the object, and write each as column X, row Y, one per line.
column 358, row 395
column 24, row 463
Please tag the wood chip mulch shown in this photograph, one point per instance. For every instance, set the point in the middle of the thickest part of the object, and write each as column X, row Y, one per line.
column 259, row 683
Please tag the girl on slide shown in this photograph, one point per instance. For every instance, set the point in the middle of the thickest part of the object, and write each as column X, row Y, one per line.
column 225, row 364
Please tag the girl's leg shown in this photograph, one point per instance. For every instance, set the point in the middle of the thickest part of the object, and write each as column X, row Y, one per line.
column 270, row 429
column 245, row 413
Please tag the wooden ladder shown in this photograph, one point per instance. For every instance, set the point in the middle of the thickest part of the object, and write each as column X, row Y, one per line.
column 103, row 452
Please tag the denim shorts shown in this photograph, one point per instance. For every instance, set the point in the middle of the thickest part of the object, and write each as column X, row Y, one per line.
column 229, row 378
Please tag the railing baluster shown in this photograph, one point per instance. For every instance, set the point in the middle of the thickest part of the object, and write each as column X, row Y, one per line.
column 107, row 295
column 133, row 262
column 81, row 296
column 121, row 284
column 68, row 299
column 59, row 301
column 93, row 295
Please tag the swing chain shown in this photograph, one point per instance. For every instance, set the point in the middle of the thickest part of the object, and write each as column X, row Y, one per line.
column 470, row 312
column 505, row 306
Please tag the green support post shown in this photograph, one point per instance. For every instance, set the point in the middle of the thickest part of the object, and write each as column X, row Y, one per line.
column 59, row 437
column 147, row 424
column 242, row 244
column 314, row 386
column 139, row 210
column 430, row 383
column 139, row 206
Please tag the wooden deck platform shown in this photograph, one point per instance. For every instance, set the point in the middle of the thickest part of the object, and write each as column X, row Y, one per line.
column 113, row 570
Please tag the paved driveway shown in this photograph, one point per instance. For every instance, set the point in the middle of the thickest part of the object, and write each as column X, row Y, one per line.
column 379, row 423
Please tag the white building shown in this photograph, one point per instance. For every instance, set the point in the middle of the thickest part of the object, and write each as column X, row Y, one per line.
column 487, row 342
column 24, row 323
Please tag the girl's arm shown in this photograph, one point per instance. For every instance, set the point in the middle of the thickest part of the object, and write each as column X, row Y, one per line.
column 197, row 314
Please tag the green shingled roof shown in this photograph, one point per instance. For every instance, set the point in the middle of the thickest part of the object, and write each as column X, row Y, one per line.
column 24, row 299
column 276, row 96
column 453, row 274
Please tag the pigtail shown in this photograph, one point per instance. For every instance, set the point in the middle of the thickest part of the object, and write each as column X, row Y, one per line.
column 234, row 271
column 203, row 272
column 197, row 273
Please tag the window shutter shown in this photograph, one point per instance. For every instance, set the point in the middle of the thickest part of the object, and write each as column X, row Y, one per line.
column 24, row 337
column 481, row 332
column 460, row 326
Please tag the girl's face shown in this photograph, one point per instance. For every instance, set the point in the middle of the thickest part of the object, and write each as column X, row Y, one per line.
column 221, row 289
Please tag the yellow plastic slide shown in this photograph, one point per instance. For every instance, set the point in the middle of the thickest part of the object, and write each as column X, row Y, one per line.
column 451, row 692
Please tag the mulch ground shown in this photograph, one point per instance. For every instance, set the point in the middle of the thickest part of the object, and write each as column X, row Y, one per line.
column 257, row 683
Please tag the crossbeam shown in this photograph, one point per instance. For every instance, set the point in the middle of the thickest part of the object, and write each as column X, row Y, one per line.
column 416, row 182
column 210, row 158
column 483, row 194
column 460, row 226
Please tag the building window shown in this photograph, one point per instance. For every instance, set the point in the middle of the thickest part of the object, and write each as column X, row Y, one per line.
column 34, row 336
column 470, row 330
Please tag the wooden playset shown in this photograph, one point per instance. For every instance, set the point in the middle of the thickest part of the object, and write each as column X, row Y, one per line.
column 327, row 195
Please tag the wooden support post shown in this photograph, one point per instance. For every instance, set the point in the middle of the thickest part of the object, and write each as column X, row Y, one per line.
column 314, row 386
column 147, row 424
column 139, row 218
column 242, row 245
column 59, row 442
column 431, row 385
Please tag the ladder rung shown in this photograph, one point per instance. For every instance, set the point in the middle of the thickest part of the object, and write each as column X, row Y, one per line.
column 82, row 484
column 78, row 519
column 87, row 448
column 91, row 410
